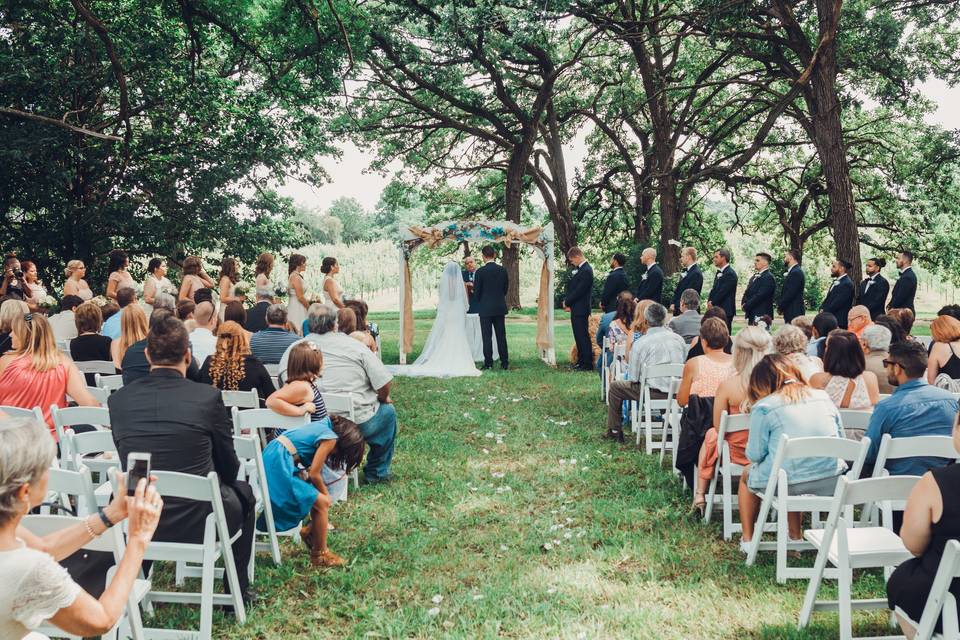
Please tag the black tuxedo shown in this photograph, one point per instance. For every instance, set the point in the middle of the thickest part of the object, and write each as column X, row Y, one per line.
column 723, row 294
column 692, row 278
column 758, row 298
column 613, row 286
column 904, row 291
column 490, row 284
column 257, row 317
column 874, row 298
column 186, row 428
column 839, row 300
column 471, row 298
column 651, row 287
column 578, row 298
column 791, row 303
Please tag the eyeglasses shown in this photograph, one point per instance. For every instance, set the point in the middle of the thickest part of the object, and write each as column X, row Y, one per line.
column 890, row 363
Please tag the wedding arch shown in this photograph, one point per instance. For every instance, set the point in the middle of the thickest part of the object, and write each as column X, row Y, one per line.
column 540, row 239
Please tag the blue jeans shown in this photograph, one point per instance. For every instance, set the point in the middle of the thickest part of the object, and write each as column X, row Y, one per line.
column 380, row 432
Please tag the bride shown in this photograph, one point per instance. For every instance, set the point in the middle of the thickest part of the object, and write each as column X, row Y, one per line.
column 447, row 353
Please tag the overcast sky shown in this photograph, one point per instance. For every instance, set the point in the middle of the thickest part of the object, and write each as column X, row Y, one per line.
column 350, row 177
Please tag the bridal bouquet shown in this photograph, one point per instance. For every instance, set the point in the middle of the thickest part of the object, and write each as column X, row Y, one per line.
column 100, row 300
column 242, row 289
column 47, row 302
column 138, row 289
column 170, row 289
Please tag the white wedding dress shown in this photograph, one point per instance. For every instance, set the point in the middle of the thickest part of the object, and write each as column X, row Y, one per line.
column 447, row 353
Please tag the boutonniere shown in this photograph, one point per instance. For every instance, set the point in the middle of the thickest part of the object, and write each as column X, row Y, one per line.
column 574, row 272
column 643, row 277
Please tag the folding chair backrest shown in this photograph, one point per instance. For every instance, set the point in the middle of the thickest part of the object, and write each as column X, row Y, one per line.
column 100, row 395
column 668, row 370
column 109, row 382
column 43, row 525
column 854, row 419
column 253, row 419
column 339, row 404
column 82, row 444
column 72, row 416
column 915, row 446
column 251, row 458
column 17, row 412
column 938, row 597
column 819, row 447
column 172, row 484
column 64, row 346
column 856, row 492
column 104, row 367
column 732, row 424
column 241, row 399
column 77, row 483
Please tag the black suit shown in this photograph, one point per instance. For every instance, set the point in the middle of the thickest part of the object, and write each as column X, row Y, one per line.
column 257, row 317
column 578, row 299
column 874, row 297
column 839, row 300
column 904, row 291
column 471, row 298
column 692, row 278
column 758, row 298
column 613, row 286
column 791, row 303
column 186, row 428
column 651, row 287
column 723, row 294
column 490, row 284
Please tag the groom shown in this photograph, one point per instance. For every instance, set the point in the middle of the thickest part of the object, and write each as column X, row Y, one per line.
column 490, row 284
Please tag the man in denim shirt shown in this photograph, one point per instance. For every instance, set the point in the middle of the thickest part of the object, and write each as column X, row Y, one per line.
column 914, row 409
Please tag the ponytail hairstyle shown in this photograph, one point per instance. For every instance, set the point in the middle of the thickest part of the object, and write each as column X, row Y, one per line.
column 36, row 340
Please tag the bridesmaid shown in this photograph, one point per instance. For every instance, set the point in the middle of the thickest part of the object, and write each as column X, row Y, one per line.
column 298, row 301
column 33, row 290
column 119, row 278
column 194, row 277
column 155, row 282
column 264, row 269
column 75, row 284
column 331, row 288
column 229, row 275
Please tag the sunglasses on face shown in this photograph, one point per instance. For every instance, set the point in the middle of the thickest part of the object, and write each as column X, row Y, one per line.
column 890, row 363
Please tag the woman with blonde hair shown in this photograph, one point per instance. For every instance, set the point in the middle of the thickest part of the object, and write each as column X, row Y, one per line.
column 943, row 365
column 194, row 278
column 639, row 325
column 133, row 328
column 750, row 346
column 75, row 284
column 232, row 367
column 9, row 310
column 37, row 374
column 791, row 341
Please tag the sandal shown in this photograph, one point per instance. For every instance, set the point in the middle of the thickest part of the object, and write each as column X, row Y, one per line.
column 327, row 559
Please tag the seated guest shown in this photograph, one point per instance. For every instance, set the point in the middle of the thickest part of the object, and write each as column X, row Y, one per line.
column 347, row 323
column 952, row 310
column 349, row 367
column 749, row 347
column 905, row 318
column 703, row 374
column 163, row 301
column 133, row 328
column 185, row 312
column 361, row 309
column 111, row 326
column 203, row 340
column 607, row 318
column 63, row 325
column 335, row 443
column 37, row 374
column 658, row 345
column 896, row 329
column 844, row 377
column 8, row 311
column 35, row 587
column 89, row 345
column 687, row 324
column 858, row 319
column 943, row 366
column 186, row 428
column 875, row 342
column 269, row 344
column 805, row 324
column 696, row 349
column 235, row 312
column 203, row 295
column 134, row 364
column 930, row 521
column 257, row 316
column 639, row 325
column 823, row 323
column 232, row 367
column 783, row 404
column 791, row 342
column 915, row 408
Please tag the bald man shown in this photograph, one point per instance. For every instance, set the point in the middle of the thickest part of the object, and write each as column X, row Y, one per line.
column 858, row 319
column 203, row 339
column 651, row 283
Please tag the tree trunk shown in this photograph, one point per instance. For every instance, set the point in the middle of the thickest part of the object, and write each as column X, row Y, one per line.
column 669, row 254
column 513, row 203
column 642, row 210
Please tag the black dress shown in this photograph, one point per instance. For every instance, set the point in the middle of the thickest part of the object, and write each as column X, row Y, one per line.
column 910, row 583
column 255, row 378
column 90, row 346
column 952, row 366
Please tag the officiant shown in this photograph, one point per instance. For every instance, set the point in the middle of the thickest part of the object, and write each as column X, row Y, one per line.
column 469, row 272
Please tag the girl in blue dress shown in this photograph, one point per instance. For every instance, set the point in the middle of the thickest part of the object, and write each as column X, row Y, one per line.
column 294, row 461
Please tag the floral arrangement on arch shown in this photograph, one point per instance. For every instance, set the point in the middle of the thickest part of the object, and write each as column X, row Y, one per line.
column 464, row 231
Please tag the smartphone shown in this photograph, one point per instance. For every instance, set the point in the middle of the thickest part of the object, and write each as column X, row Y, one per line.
column 138, row 466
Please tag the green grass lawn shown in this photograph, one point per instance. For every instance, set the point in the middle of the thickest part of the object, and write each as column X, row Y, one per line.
column 510, row 517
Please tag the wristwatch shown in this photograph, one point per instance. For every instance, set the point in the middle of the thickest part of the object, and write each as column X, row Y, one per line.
column 103, row 517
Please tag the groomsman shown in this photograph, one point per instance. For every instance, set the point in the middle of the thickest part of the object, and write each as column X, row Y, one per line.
column 651, row 283
column 577, row 302
column 723, row 294
column 905, row 289
column 615, row 283
column 757, row 300
column 690, row 278
column 791, row 303
column 469, row 274
column 874, row 288
column 839, row 298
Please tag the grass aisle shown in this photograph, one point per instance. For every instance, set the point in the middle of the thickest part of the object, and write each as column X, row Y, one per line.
column 512, row 518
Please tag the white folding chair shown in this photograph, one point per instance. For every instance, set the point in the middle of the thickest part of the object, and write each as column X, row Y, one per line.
column 776, row 495
column 671, row 423
column 241, row 399
column 97, row 451
column 255, row 420
column 109, row 382
column 939, row 600
column 65, row 484
column 130, row 624
column 16, row 412
column 69, row 417
column 379, row 349
column 647, row 406
column 100, row 395
column 103, row 367
column 910, row 447
column 847, row 548
column 64, row 346
column 215, row 546
column 855, row 420
column 252, row 471
column 726, row 470
column 341, row 404
column 604, row 367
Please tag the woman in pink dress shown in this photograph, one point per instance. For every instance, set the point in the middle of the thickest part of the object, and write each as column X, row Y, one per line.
column 194, row 277
column 119, row 278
